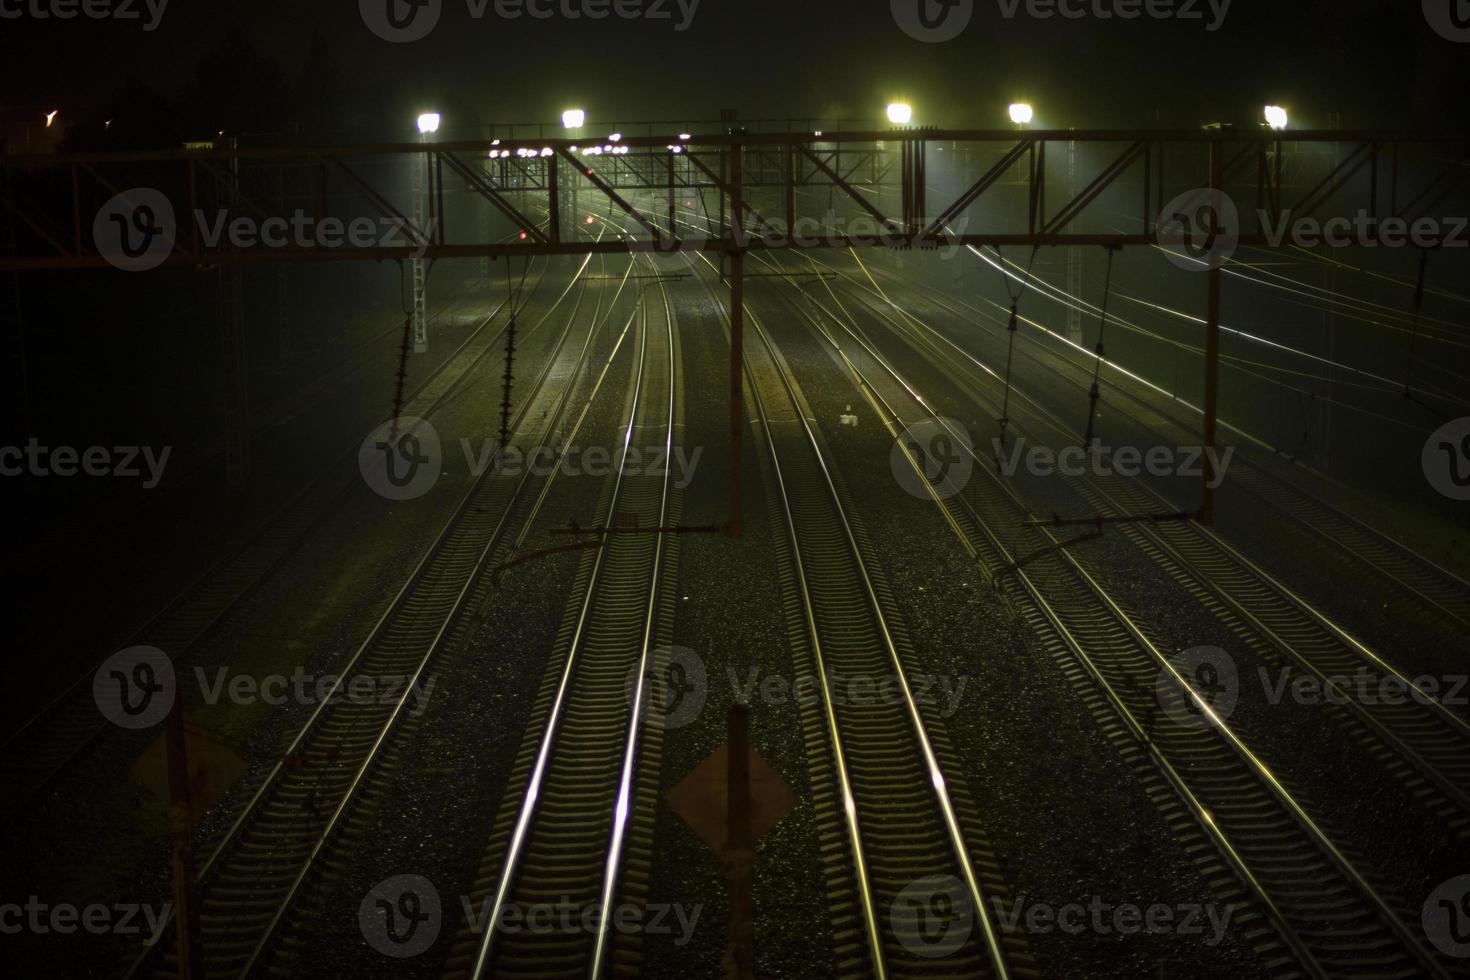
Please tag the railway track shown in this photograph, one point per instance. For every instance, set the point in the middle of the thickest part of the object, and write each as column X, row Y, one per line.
column 884, row 774
column 68, row 724
column 46, row 744
column 563, row 840
column 1328, row 918
column 1399, row 567
column 256, row 871
column 1276, row 623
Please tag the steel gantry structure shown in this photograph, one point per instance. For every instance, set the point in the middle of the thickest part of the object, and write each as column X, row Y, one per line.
column 1195, row 192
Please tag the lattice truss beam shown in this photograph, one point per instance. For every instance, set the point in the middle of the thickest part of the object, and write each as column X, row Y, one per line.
column 903, row 189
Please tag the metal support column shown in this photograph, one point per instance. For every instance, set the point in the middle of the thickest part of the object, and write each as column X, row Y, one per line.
column 418, row 272
column 11, row 324
column 232, row 331
column 181, row 833
column 737, row 333
column 1212, row 349
column 483, row 206
column 1074, row 255
column 673, row 199
column 283, row 284
column 739, row 849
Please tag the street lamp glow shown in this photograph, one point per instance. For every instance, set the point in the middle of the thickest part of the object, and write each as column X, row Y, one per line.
column 1276, row 117
column 573, row 119
column 429, row 123
column 1022, row 113
column 900, row 113
column 51, row 117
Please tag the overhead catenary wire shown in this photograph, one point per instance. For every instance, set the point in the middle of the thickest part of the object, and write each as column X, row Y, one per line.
column 1058, row 295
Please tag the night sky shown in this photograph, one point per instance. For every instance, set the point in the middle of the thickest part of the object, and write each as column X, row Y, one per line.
column 1347, row 62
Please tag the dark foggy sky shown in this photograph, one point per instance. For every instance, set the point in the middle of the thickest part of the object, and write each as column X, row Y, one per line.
column 1372, row 62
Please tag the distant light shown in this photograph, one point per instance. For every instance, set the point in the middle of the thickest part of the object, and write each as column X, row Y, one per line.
column 615, row 138
column 676, row 149
column 1276, row 117
column 1022, row 113
column 574, row 119
column 51, row 117
column 900, row 113
column 495, row 142
column 685, row 136
column 524, row 236
column 429, row 123
column 107, row 124
column 546, row 151
column 591, row 220
column 817, row 133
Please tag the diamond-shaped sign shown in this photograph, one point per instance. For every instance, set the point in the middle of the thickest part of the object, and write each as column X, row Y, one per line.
column 214, row 766
column 702, row 798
